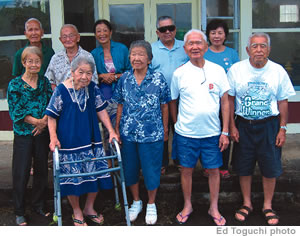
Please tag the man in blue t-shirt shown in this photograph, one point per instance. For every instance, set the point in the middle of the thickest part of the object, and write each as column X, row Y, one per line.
column 168, row 55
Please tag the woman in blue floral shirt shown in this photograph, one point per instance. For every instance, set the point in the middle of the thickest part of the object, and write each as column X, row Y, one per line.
column 142, row 123
column 27, row 97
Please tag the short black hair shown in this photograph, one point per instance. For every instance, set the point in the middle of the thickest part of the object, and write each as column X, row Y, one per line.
column 102, row 21
column 214, row 24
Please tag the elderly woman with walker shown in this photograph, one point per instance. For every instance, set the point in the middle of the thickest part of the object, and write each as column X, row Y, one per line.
column 73, row 111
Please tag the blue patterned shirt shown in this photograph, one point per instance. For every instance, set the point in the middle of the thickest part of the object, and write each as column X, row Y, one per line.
column 141, row 119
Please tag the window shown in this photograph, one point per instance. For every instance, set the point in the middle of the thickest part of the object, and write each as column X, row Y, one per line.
column 83, row 15
column 127, row 29
column 280, row 19
column 13, row 15
column 181, row 13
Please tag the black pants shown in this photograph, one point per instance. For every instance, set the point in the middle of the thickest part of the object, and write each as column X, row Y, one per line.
column 24, row 149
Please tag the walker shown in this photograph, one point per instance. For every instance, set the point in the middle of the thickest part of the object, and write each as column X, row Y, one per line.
column 117, row 173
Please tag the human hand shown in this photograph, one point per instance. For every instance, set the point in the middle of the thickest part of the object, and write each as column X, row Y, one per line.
column 280, row 138
column 114, row 135
column 108, row 78
column 53, row 143
column 223, row 142
column 234, row 134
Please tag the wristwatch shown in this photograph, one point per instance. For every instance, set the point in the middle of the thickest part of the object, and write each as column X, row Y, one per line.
column 116, row 76
column 283, row 127
column 225, row 133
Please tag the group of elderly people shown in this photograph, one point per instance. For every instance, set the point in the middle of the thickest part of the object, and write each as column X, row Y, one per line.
column 119, row 88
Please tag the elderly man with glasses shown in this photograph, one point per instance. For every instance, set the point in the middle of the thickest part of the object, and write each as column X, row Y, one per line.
column 258, row 99
column 201, row 87
column 59, row 68
column 168, row 55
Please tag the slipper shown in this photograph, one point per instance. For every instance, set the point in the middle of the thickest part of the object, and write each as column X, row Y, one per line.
column 76, row 221
column 217, row 221
column 21, row 221
column 182, row 221
column 163, row 170
column 270, row 217
column 225, row 174
column 205, row 173
column 94, row 218
column 245, row 214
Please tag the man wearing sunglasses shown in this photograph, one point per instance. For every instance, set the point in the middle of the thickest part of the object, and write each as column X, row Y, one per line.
column 168, row 55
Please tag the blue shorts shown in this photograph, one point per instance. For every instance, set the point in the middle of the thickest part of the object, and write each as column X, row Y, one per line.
column 188, row 151
column 147, row 156
column 257, row 144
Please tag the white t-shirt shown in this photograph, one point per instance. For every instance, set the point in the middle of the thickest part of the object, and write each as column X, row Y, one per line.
column 199, row 91
column 257, row 91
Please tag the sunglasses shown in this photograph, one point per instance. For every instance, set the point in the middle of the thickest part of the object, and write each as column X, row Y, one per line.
column 164, row 29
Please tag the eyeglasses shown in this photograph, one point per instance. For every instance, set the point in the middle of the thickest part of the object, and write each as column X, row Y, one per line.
column 204, row 76
column 31, row 62
column 197, row 43
column 71, row 36
column 262, row 45
column 164, row 29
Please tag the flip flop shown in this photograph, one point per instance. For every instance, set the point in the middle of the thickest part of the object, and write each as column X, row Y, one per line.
column 21, row 221
column 245, row 214
column 217, row 221
column 94, row 217
column 181, row 222
column 80, row 222
column 270, row 217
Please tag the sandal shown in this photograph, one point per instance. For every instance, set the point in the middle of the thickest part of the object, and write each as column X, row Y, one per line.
column 21, row 221
column 270, row 217
column 245, row 214
column 205, row 173
column 79, row 222
column 183, row 221
column 218, row 221
column 225, row 174
column 94, row 218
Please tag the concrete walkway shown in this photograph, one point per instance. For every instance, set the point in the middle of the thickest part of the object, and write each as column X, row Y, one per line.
column 288, row 185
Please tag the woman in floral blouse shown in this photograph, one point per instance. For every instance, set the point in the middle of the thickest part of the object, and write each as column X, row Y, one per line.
column 27, row 97
column 142, row 123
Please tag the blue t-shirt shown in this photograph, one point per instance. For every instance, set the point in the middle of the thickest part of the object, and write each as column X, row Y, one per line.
column 167, row 61
column 141, row 119
column 225, row 59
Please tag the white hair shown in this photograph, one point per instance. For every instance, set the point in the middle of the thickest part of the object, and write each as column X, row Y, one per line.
column 259, row 34
column 33, row 19
column 194, row 31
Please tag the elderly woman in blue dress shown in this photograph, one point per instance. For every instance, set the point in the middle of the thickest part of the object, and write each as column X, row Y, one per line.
column 142, row 123
column 73, row 111
column 27, row 98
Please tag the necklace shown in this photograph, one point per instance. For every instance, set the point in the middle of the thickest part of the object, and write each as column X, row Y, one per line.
column 86, row 97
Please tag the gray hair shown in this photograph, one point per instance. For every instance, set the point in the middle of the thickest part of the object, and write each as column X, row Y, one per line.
column 143, row 44
column 161, row 18
column 194, row 31
column 82, row 60
column 69, row 26
column 259, row 34
column 33, row 19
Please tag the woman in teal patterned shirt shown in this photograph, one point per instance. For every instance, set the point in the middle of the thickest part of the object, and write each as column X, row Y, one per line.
column 27, row 97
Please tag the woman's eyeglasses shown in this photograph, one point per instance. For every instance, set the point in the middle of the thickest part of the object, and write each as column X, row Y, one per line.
column 164, row 29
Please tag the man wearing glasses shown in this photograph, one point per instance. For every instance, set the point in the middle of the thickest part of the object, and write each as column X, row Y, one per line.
column 200, row 86
column 59, row 68
column 258, row 98
column 168, row 55
column 34, row 33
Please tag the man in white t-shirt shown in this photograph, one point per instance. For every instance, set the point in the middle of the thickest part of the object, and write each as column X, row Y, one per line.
column 199, row 85
column 259, row 99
